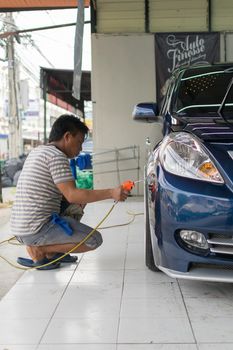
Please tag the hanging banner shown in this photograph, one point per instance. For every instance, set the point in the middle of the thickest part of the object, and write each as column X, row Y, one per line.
column 78, row 51
column 173, row 50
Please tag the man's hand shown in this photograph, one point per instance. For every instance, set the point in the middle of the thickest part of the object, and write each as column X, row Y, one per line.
column 118, row 194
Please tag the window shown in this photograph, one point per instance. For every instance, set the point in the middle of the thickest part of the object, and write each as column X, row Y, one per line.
column 203, row 92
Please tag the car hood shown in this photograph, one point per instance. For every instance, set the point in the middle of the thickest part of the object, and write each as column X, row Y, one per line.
column 211, row 131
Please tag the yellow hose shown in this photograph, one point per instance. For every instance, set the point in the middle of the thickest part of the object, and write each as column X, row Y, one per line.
column 74, row 248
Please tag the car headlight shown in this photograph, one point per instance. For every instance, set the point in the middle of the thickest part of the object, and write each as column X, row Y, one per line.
column 181, row 154
column 194, row 239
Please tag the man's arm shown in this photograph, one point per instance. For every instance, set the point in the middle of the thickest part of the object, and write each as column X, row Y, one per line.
column 82, row 196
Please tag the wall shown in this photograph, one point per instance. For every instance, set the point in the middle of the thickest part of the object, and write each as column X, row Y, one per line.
column 123, row 74
column 227, row 47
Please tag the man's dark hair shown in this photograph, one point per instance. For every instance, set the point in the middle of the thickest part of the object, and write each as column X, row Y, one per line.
column 64, row 123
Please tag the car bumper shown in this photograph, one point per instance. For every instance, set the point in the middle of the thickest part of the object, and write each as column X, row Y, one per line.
column 202, row 274
column 175, row 209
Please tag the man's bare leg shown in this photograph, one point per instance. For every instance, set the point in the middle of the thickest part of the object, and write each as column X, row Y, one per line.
column 48, row 251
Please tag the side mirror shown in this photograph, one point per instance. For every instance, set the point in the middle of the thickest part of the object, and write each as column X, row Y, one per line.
column 146, row 112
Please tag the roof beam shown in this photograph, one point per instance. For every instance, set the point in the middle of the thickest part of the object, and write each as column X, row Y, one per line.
column 29, row 5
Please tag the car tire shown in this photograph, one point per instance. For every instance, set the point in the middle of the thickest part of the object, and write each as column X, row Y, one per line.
column 149, row 258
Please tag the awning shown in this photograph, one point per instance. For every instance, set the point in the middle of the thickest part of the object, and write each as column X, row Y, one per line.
column 58, row 83
column 20, row 5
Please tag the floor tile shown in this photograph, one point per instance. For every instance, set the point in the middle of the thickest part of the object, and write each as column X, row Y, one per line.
column 8, row 274
column 136, row 238
column 17, row 347
column 209, row 307
column 82, row 330
column 88, row 307
column 200, row 289
column 77, row 347
column 105, row 259
column 116, row 263
column 114, row 236
column 94, row 290
column 41, row 277
column 36, row 292
column 117, row 249
column 118, row 221
column 135, row 257
column 157, row 347
column 11, row 309
column 22, row 331
column 146, row 276
column 152, row 308
column 98, row 277
column 140, row 290
column 152, row 330
column 213, row 329
column 213, row 346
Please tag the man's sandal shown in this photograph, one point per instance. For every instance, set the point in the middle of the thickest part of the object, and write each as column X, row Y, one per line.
column 30, row 263
column 66, row 259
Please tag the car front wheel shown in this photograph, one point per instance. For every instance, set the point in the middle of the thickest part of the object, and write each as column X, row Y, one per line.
column 149, row 258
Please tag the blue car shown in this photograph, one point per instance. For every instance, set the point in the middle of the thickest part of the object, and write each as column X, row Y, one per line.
column 189, row 176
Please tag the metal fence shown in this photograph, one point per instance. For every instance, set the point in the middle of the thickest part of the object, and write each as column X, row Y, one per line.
column 118, row 161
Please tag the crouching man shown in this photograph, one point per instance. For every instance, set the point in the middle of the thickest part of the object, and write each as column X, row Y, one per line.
column 37, row 220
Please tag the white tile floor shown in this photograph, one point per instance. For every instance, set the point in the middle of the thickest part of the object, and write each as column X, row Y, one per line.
column 111, row 301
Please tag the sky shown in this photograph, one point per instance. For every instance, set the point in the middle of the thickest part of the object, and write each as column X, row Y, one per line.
column 56, row 45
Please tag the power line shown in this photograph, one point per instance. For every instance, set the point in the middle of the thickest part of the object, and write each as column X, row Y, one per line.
column 27, row 61
column 39, row 36
column 41, row 53
column 51, row 19
column 30, row 73
column 6, row 34
column 6, row 22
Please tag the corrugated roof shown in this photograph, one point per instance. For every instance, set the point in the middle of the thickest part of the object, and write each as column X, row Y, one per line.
column 59, row 83
column 19, row 5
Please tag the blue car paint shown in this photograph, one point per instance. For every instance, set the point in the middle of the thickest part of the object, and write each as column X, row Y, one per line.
column 182, row 203
column 208, row 211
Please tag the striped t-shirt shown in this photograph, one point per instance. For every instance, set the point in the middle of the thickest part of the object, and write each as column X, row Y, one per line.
column 37, row 196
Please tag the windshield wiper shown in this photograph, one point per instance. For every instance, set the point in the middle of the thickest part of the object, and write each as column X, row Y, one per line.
column 230, row 123
column 228, row 70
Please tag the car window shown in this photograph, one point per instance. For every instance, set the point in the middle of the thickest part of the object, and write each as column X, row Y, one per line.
column 203, row 93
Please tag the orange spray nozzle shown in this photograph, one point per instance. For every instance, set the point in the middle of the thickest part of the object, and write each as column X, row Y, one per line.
column 128, row 185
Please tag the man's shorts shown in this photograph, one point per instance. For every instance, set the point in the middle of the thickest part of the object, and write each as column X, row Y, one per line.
column 51, row 234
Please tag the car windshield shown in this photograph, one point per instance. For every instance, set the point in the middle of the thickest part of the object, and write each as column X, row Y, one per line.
column 201, row 91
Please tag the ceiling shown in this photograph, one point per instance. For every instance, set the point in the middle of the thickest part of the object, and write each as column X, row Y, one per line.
column 21, row 5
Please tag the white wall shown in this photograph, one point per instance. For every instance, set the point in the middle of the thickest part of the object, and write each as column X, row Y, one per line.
column 123, row 74
column 228, row 53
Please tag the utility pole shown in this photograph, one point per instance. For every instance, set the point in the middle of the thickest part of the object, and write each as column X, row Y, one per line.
column 15, row 139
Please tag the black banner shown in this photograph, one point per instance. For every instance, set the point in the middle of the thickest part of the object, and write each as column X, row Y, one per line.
column 173, row 50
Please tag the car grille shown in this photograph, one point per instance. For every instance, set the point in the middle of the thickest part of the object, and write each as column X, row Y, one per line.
column 220, row 244
column 210, row 266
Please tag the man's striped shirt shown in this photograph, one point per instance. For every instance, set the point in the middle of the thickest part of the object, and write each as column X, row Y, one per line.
column 37, row 196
